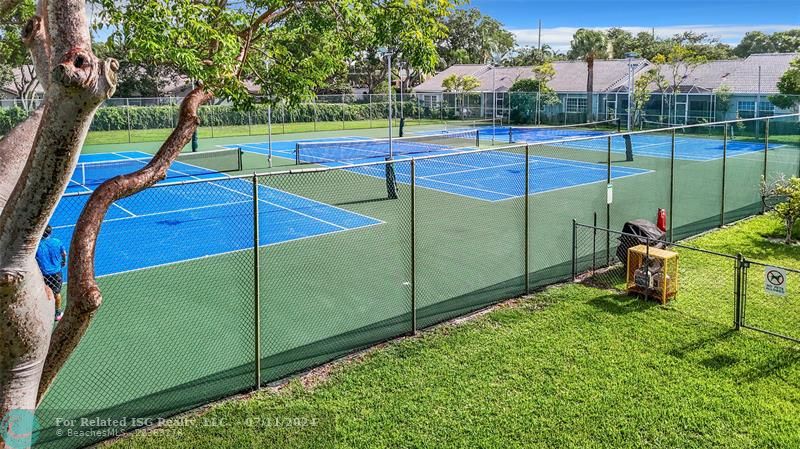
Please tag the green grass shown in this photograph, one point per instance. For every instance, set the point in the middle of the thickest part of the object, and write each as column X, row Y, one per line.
column 260, row 129
column 569, row 367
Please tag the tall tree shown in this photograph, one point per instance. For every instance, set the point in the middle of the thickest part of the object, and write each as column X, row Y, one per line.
column 754, row 42
column 588, row 45
column 680, row 62
column 219, row 45
column 473, row 38
column 620, row 42
column 786, row 41
column 789, row 87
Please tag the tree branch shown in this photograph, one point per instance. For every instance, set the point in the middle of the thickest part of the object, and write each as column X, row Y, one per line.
column 84, row 294
column 14, row 150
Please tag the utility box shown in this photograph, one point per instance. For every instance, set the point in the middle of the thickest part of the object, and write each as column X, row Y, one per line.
column 652, row 272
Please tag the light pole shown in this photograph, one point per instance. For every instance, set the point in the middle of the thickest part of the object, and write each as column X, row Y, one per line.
column 388, row 53
column 630, row 56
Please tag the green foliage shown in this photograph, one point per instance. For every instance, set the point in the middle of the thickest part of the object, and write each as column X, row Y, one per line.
column 533, row 56
column 789, row 87
column 588, row 45
column 723, row 94
column 223, row 45
column 473, row 38
column 757, row 42
column 525, row 85
column 643, row 89
column 460, row 84
column 13, row 53
column 784, row 194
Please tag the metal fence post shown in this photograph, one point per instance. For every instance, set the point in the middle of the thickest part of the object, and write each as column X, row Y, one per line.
column 594, row 241
column 608, row 205
column 256, row 284
column 724, row 173
column 766, row 150
column 211, row 118
column 527, row 220
column 413, row 247
column 737, row 292
column 249, row 124
column 128, row 117
column 672, row 189
column 314, row 105
column 574, row 250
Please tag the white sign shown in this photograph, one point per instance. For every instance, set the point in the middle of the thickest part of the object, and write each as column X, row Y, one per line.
column 775, row 281
column 610, row 194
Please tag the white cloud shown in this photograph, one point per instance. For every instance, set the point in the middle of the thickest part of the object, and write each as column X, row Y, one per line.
column 559, row 37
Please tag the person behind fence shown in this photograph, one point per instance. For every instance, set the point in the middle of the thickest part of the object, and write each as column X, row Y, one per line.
column 52, row 258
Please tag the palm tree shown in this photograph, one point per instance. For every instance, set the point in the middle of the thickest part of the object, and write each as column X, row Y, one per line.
column 588, row 45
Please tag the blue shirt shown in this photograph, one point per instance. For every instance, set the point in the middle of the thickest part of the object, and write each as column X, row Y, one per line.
column 49, row 255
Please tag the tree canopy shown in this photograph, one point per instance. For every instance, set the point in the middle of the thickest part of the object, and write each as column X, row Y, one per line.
column 759, row 42
column 473, row 38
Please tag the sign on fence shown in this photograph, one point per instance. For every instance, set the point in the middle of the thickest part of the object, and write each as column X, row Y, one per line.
column 775, row 281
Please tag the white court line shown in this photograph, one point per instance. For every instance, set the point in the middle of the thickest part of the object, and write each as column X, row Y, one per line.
column 211, row 182
column 249, row 248
column 603, row 181
column 153, row 214
column 452, row 184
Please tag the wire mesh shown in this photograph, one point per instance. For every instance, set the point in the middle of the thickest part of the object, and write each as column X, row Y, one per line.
column 175, row 330
column 342, row 280
column 569, row 180
column 705, row 282
column 370, row 149
column 700, row 154
column 470, row 232
column 771, row 309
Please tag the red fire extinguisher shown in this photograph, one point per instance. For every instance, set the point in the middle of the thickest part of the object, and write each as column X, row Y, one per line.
column 662, row 220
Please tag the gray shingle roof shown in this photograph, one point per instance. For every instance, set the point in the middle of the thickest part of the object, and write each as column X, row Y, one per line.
column 741, row 75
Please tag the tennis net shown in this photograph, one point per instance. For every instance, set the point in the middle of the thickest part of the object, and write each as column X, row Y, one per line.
column 522, row 134
column 186, row 165
column 374, row 149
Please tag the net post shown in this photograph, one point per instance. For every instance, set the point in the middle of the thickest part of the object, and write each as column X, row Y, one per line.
column 766, row 150
column 211, row 118
column 510, row 134
column 574, row 250
column 239, row 162
column 619, row 125
column 478, row 139
column 527, row 220
column 672, row 187
column 724, row 173
column 413, row 247
column 256, row 285
column 297, row 153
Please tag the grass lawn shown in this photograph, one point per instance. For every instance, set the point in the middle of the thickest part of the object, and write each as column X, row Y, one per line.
column 258, row 129
column 571, row 366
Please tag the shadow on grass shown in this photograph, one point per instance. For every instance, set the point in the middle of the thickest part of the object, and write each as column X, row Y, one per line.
column 621, row 304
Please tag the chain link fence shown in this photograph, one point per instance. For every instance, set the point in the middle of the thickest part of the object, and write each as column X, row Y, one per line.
column 219, row 286
column 129, row 120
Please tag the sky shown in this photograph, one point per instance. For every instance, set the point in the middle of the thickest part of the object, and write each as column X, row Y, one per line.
column 727, row 20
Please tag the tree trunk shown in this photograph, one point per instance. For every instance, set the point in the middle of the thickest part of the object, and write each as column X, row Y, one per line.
column 77, row 82
column 83, row 291
column 590, row 88
column 789, row 228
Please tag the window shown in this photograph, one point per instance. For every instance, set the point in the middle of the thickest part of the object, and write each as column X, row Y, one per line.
column 747, row 109
column 576, row 104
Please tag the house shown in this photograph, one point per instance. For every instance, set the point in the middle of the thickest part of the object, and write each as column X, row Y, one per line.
column 750, row 82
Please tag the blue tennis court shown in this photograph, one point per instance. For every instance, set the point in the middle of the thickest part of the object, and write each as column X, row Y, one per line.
column 687, row 147
column 179, row 222
column 488, row 176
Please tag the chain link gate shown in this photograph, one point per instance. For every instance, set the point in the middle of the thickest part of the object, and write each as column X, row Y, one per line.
column 769, row 300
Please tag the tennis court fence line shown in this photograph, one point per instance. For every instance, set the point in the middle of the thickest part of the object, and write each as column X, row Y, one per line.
column 279, row 272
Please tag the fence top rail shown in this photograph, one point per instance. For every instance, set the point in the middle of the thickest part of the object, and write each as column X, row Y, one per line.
column 670, row 128
column 677, row 245
column 765, row 264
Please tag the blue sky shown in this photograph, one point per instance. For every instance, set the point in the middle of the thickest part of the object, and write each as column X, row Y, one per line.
column 725, row 19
